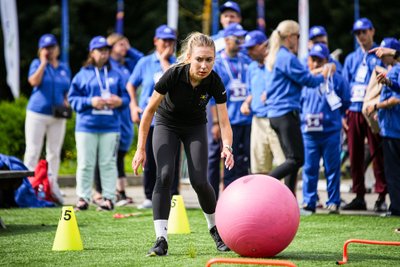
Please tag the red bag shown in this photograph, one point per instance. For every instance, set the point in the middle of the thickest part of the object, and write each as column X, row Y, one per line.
column 41, row 178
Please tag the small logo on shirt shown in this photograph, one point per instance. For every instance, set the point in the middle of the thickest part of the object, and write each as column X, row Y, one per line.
column 111, row 80
column 63, row 73
column 224, row 92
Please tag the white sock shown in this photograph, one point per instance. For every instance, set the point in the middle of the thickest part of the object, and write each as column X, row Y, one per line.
column 161, row 227
column 210, row 220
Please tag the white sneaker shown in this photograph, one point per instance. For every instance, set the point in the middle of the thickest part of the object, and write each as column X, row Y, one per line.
column 147, row 204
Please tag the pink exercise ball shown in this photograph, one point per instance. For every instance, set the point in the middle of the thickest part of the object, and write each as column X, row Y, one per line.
column 257, row 216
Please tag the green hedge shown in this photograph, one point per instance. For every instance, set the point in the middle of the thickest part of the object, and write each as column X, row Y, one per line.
column 12, row 131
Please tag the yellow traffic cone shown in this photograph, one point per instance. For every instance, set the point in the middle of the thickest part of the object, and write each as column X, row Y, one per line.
column 178, row 222
column 67, row 235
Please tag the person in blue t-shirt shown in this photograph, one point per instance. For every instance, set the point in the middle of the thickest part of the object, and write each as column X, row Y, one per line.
column 264, row 143
column 322, row 107
column 284, row 85
column 357, row 71
column 145, row 75
column 50, row 80
column 123, row 59
column 318, row 34
column 389, row 119
column 229, row 13
column 231, row 65
column 98, row 95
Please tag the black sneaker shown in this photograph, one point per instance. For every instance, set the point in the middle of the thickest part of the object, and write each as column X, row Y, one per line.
column 218, row 240
column 380, row 206
column 356, row 204
column 160, row 248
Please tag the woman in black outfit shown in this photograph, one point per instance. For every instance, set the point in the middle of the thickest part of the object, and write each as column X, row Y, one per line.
column 180, row 98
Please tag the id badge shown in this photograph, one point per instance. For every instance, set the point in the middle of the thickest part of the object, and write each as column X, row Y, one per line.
column 237, row 91
column 358, row 93
column 361, row 73
column 314, row 123
column 333, row 100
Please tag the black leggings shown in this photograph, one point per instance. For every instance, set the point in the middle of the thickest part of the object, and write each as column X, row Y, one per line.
column 165, row 146
column 287, row 127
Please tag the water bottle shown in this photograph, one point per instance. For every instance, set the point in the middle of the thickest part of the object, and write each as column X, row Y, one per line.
column 41, row 194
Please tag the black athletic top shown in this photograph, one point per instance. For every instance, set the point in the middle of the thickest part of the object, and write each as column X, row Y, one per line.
column 183, row 104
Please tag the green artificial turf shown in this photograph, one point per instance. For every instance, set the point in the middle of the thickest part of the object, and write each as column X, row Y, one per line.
column 30, row 233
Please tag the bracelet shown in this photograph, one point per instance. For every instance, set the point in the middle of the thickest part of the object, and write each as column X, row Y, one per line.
column 229, row 148
column 215, row 122
column 375, row 107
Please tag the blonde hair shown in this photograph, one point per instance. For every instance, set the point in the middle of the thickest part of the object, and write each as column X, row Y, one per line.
column 284, row 29
column 194, row 39
column 113, row 38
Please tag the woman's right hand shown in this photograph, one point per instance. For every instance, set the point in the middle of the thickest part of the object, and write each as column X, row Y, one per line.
column 138, row 159
column 43, row 56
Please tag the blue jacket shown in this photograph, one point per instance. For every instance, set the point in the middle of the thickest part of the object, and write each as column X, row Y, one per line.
column 146, row 73
column 256, row 81
column 284, row 85
column 351, row 65
column 125, row 71
column 85, row 86
column 389, row 118
column 313, row 103
column 237, row 67
column 52, row 90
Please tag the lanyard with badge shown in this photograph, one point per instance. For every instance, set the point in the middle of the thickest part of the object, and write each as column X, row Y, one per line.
column 104, row 91
column 237, row 88
column 332, row 98
column 358, row 90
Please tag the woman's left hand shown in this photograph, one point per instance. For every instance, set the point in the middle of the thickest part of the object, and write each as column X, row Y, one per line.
column 228, row 156
column 114, row 101
column 138, row 159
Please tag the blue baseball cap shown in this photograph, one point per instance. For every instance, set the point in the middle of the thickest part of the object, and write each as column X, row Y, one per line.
column 316, row 31
column 391, row 42
column 47, row 40
column 362, row 24
column 234, row 29
column 230, row 5
column 98, row 42
column 319, row 50
column 254, row 38
column 165, row 32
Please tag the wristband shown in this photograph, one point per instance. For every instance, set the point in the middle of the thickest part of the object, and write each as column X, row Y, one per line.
column 229, row 148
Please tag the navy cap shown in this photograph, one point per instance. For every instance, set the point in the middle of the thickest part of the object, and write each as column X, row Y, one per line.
column 98, row 42
column 254, row 38
column 362, row 24
column 47, row 40
column 316, row 31
column 391, row 42
column 165, row 32
column 230, row 5
column 234, row 29
column 319, row 50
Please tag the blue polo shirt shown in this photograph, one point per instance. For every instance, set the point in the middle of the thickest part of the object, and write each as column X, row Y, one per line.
column 229, row 69
column 315, row 107
column 284, row 85
column 83, row 88
column 389, row 118
column 146, row 74
column 356, row 77
column 52, row 90
column 256, row 82
column 125, row 71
